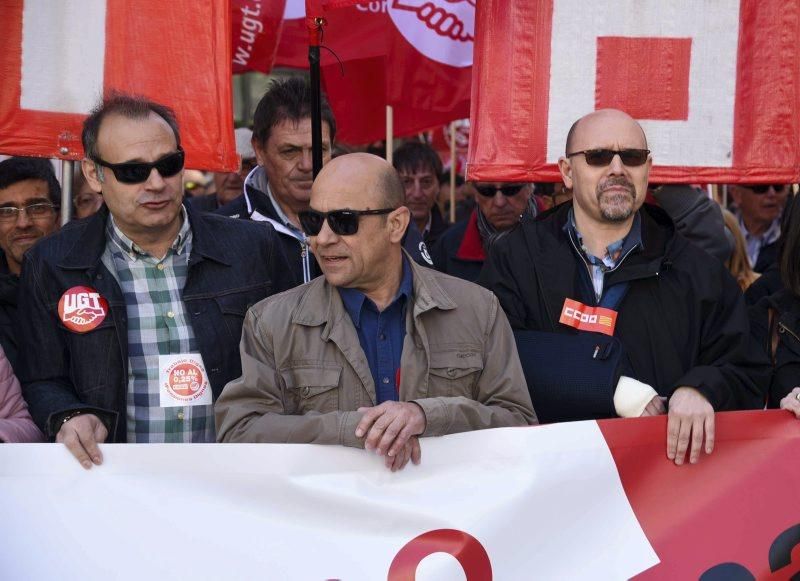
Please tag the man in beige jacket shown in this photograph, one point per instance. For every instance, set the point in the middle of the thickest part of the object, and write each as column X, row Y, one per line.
column 379, row 351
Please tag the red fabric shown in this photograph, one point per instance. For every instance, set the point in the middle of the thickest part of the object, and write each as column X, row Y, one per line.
column 729, row 507
column 423, row 93
column 255, row 30
column 149, row 51
column 471, row 247
column 514, row 66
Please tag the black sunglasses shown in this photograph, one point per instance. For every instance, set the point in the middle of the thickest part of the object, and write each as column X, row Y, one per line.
column 342, row 222
column 764, row 188
column 135, row 172
column 508, row 191
column 603, row 157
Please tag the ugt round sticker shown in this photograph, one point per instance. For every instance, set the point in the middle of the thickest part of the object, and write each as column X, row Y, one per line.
column 185, row 380
column 82, row 309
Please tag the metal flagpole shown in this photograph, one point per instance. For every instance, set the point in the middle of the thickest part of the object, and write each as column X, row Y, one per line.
column 453, row 169
column 315, row 25
column 389, row 133
column 66, row 190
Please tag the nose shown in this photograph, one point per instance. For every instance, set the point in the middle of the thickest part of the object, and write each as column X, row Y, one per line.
column 414, row 190
column 23, row 219
column 306, row 161
column 499, row 200
column 155, row 181
column 326, row 236
column 616, row 167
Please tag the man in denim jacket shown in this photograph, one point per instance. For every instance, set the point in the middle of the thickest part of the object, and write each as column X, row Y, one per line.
column 134, row 315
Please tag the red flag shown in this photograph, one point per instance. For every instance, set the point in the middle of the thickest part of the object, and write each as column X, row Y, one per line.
column 716, row 86
column 55, row 63
column 422, row 67
column 255, row 28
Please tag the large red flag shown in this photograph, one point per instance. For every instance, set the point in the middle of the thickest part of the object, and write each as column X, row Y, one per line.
column 413, row 55
column 58, row 58
column 716, row 85
column 255, row 30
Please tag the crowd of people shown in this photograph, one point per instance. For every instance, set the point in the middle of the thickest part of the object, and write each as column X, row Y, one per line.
column 268, row 306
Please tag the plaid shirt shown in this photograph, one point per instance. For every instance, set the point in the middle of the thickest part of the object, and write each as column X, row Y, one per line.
column 157, row 325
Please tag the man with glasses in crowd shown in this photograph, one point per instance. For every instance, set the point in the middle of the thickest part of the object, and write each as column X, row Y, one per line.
column 759, row 209
column 134, row 315
column 607, row 264
column 29, row 199
column 461, row 250
column 379, row 351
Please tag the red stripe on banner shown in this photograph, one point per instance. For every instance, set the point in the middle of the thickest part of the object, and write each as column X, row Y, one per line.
column 729, row 508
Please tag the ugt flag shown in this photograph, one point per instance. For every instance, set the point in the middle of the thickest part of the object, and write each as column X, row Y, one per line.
column 57, row 59
column 715, row 84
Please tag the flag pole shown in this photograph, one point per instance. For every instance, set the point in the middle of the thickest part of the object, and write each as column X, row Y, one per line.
column 389, row 133
column 314, row 25
column 66, row 190
column 453, row 169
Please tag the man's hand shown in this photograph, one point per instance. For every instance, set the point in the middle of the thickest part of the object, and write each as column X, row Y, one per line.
column 690, row 416
column 389, row 426
column 792, row 402
column 655, row 407
column 411, row 451
column 81, row 435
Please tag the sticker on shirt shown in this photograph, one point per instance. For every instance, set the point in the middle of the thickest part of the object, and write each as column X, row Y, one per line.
column 82, row 309
column 585, row 318
column 183, row 380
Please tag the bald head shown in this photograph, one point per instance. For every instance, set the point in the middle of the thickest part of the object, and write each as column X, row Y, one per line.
column 601, row 117
column 379, row 180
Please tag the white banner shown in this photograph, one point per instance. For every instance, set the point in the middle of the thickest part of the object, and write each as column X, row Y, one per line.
column 544, row 503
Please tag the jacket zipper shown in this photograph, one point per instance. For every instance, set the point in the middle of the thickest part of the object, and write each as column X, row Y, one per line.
column 783, row 328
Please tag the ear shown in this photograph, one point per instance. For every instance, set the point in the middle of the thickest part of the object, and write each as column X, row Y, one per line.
column 565, row 167
column 261, row 150
column 89, row 169
column 398, row 221
column 735, row 193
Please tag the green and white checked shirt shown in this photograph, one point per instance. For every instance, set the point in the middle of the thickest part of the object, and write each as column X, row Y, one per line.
column 157, row 325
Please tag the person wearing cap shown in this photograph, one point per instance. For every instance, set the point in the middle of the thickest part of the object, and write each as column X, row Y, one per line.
column 228, row 186
column 379, row 351
column 607, row 266
column 195, row 183
column 133, row 316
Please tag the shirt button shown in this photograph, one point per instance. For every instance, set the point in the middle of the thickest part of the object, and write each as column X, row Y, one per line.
column 171, row 315
column 160, row 266
column 180, row 415
column 385, row 380
column 382, row 337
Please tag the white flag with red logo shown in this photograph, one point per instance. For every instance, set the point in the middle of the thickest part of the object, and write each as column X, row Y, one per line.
column 715, row 85
column 57, row 59
column 415, row 55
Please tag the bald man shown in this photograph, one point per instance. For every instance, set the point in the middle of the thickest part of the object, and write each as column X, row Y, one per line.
column 606, row 264
column 379, row 351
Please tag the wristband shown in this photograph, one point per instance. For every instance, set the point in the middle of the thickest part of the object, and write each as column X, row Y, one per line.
column 69, row 416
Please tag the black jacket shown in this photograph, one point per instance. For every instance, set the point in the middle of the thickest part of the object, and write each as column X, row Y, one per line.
column 256, row 205
column 784, row 368
column 682, row 322
column 438, row 226
column 9, row 289
column 232, row 266
column 459, row 251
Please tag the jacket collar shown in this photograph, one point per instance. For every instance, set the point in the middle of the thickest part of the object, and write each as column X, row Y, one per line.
column 88, row 249
column 320, row 305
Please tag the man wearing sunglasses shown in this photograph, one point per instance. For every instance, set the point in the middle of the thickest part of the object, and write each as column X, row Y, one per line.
column 379, row 351
column 134, row 315
column 759, row 208
column 607, row 265
column 461, row 250
column 29, row 198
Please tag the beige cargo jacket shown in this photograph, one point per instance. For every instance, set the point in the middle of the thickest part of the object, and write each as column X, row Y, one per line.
column 304, row 373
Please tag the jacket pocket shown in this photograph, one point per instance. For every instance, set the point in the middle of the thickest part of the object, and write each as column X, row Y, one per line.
column 454, row 372
column 313, row 387
column 234, row 306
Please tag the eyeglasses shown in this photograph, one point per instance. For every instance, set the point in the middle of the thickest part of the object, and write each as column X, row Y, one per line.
column 764, row 188
column 508, row 191
column 603, row 157
column 342, row 222
column 136, row 172
column 33, row 211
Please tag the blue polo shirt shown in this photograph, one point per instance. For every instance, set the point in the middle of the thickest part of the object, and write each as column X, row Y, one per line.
column 381, row 333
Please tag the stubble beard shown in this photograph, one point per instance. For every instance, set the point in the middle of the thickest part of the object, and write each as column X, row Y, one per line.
column 616, row 206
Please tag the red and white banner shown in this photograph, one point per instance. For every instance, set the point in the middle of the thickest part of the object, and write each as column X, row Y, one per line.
column 415, row 55
column 586, row 500
column 715, row 85
column 58, row 58
column 255, row 29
